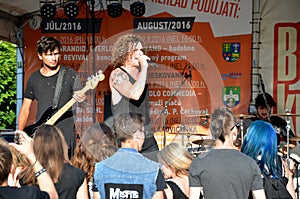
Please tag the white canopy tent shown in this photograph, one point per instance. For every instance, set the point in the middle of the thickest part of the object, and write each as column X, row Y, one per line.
column 11, row 13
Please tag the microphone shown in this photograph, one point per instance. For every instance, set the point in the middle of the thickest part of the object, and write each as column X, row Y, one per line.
column 150, row 63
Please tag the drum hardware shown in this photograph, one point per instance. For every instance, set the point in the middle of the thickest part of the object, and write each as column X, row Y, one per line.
column 186, row 133
column 194, row 151
column 243, row 116
column 288, row 127
column 209, row 142
column 204, row 142
column 205, row 121
column 295, row 139
column 164, row 111
column 285, row 146
column 182, row 134
column 207, row 115
column 188, row 144
column 288, row 114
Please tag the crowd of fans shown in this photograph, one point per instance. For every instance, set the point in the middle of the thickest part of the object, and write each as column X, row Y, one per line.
column 39, row 167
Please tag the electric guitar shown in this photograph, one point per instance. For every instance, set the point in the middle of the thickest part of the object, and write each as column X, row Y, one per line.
column 51, row 115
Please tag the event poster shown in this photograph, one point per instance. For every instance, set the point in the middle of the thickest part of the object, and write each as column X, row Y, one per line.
column 203, row 53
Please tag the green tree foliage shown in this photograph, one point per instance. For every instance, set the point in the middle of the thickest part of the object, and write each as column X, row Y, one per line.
column 7, row 85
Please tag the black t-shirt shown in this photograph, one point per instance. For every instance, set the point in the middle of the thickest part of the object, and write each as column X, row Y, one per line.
column 42, row 89
column 160, row 181
column 25, row 192
column 69, row 182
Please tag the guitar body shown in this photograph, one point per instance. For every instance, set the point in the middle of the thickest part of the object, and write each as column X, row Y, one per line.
column 44, row 118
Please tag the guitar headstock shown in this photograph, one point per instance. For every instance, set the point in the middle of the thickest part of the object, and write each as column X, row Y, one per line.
column 95, row 79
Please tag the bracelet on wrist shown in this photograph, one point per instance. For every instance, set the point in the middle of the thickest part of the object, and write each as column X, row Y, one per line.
column 37, row 174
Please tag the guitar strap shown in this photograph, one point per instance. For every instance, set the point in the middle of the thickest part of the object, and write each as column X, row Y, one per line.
column 58, row 86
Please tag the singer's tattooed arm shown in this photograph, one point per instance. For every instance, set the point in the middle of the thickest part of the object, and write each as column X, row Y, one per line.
column 119, row 81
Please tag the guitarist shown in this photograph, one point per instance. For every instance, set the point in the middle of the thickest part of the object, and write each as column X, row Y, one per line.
column 41, row 86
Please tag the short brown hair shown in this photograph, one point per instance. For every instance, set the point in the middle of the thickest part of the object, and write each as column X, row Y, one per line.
column 221, row 122
column 127, row 124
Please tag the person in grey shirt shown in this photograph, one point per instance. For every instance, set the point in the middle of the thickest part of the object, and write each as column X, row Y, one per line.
column 225, row 172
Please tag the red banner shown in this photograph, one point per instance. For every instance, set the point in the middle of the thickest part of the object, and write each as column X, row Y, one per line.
column 197, row 71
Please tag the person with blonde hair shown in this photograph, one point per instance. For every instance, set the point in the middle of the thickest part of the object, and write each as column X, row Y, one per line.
column 52, row 152
column 175, row 161
column 20, row 163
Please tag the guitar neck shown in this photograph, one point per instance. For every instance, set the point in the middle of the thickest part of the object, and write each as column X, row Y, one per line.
column 61, row 111
column 64, row 109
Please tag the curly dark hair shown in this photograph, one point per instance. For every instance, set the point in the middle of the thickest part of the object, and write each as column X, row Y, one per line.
column 123, row 47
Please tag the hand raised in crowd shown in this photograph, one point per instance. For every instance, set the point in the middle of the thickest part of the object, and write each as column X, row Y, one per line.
column 25, row 145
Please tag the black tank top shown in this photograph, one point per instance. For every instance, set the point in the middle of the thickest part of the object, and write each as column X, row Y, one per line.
column 177, row 192
column 140, row 106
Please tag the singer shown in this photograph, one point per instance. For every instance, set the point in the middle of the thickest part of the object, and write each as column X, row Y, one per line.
column 128, row 84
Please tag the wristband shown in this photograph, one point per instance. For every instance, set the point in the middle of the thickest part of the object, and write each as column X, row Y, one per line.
column 37, row 174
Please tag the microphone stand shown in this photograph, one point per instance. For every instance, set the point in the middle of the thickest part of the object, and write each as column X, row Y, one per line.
column 288, row 127
column 165, row 111
column 94, row 58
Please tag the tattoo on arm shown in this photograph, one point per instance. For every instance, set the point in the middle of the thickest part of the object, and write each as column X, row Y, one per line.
column 119, row 78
